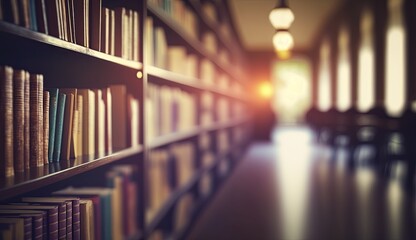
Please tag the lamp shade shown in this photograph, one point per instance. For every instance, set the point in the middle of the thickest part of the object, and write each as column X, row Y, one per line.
column 281, row 17
column 283, row 40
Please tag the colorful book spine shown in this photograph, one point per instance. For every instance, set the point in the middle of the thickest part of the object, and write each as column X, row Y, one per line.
column 53, row 106
column 59, row 127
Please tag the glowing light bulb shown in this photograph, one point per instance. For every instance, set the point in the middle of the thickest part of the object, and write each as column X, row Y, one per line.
column 281, row 17
column 283, row 40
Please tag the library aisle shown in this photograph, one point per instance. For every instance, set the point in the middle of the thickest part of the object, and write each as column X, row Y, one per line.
column 294, row 189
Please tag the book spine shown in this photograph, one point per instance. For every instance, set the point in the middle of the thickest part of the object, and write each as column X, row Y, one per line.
column 69, row 220
column 37, row 231
column 18, row 120
column 59, row 127
column 24, row 13
column 33, row 18
column 53, row 106
column 76, row 221
column 62, row 221
column 53, row 224
column 6, row 122
column 36, row 120
column 95, row 24
column 42, row 22
column 27, row 228
column 46, row 101
column 53, row 18
column 67, row 126
column 27, row 121
column 118, row 34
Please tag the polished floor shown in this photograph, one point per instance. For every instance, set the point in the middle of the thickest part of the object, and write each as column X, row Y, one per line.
column 293, row 189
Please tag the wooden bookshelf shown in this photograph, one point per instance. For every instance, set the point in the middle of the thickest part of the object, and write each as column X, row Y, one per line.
column 24, row 36
column 67, row 65
column 193, row 43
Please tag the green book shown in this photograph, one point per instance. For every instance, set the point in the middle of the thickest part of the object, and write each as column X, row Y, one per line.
column 53, row 103
column 59, row 127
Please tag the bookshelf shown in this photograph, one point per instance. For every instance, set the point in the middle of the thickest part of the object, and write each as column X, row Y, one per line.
column 207, row 122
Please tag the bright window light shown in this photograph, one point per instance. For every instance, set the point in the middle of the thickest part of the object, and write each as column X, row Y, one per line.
column 344, row 72
column 324, row 83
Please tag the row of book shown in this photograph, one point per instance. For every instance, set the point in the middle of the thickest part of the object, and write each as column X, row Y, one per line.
column 180, row 13
column 76, row 213
column 168, row 169
column 39, row 126
column 168, row 110
column 84, row 22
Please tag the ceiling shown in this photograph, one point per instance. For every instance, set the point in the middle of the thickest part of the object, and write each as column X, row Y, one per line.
column 251, row 18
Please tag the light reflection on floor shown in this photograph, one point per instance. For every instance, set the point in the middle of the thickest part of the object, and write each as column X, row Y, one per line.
column 320, row 198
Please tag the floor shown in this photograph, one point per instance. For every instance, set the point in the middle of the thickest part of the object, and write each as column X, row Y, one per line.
column 293, row 189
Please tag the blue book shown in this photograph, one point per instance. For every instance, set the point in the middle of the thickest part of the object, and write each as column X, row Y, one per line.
column 52, row 120
column 33, row 21
column 59, row 127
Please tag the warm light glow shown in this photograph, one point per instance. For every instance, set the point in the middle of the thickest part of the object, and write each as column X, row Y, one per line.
column 324, row 83
column 292, row 80
column 283, row 40
column 344, row 72
column 281, row 17
column 139, row 74
column 266, row 89
column 366, row 69
column 284, row 54
column 395, row 60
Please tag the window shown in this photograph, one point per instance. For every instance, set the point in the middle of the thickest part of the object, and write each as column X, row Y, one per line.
column 395, row 60
column 366, row 67
column 343, row 72
column 324, row 83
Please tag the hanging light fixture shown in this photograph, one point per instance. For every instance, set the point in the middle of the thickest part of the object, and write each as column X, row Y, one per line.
column 283, row 40
column 281, row 16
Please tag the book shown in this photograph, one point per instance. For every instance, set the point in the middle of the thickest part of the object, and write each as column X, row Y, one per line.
column 105, row 31
column 46, row 99
column 24, row 13
column 53, row 107
column 133, row 120
column 27, row 223
column 18, row 120
column 108, row 120
column 87, row 219
column 112, row 32
column 72, row 212
column 27, row 121
column 114, row 181
column 81, row 22
column 60, row 113
column 53, row 20
column 51, row 215
column 88, row 122
column 136, row 36
column 120, row 23
column 102, row 198
column 36, row 120
column 41, row 18
column 95, row 24
column 99, row 123
column 32, row 14
column 38, row 221
column 119, row 105
column 11, row 11
column 17, row 226
column 79, row 127
column 6, row 122
column 67, row 140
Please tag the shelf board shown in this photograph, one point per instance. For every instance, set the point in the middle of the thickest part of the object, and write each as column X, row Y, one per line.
column 183, row 80
column 174, row 137
column 54, row 172
column 195, row 44
column 30, row 35
column 223, row 125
